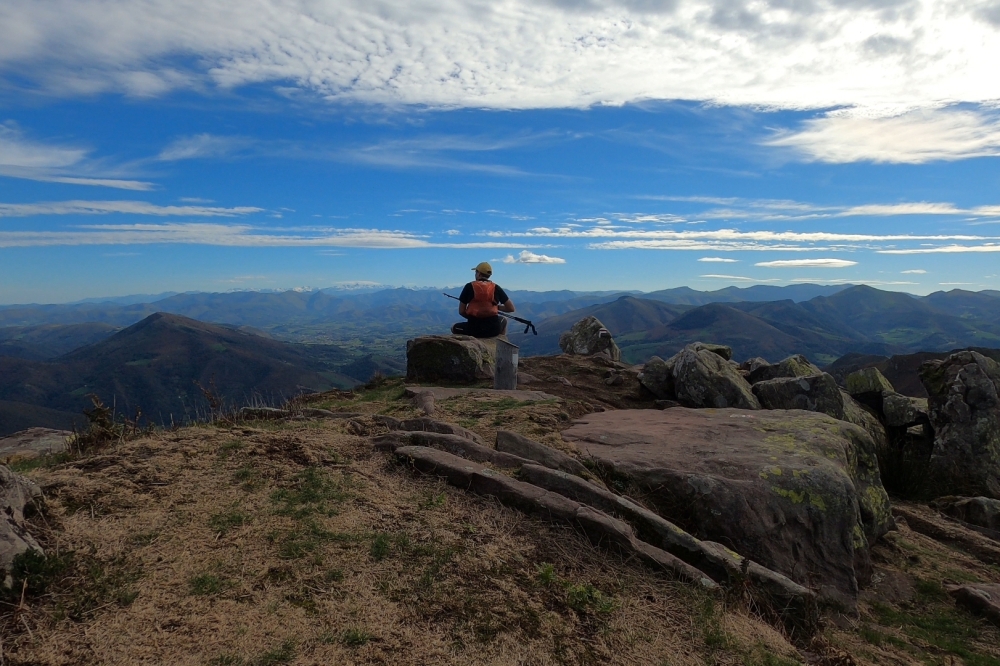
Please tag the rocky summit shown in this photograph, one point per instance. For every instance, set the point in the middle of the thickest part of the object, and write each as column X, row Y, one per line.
column 692, row 510
column 798, row 492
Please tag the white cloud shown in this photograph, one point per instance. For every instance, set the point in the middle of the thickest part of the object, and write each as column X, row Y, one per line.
column 21, row 157
column 129, row 207
column 527, row 257
column 234, row 235
column 738, row 278
column 517, row 53
column 946, row 249
column 914, row 138
column 807, row 263
column 915, row 271
column 719, row 260
column 202, row 146
column 453, row 232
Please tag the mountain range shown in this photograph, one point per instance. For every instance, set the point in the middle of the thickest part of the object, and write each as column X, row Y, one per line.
column 161, row 365
column 268, row 345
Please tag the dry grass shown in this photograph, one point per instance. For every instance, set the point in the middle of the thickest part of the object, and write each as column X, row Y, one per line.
column 295, row 543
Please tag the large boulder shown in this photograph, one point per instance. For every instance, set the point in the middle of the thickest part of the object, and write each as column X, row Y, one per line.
column 978, row 511
column 797, row 491
column 700, row 375
column 16, row 494
column 459, row 359
column 588, row 337
column 658, row 377
column 815, row 393
column 704, row 378
column 964, row 411
column 793, row 366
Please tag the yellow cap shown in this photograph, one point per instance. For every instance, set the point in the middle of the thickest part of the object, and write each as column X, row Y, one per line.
column 484, row 268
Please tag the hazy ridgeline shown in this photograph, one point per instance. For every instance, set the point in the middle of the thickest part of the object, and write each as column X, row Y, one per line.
column 265, row 347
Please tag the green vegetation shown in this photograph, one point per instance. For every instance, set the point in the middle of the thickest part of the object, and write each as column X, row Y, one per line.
column 355, row 637
column 227, row 520
column 314, row 492
column 207, row 584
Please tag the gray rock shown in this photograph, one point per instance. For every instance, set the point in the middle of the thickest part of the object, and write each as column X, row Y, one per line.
column 424, row 424
column 601, row 529
column 748, row 366
column 720, row 350
column 795, row 603
column 902, row 411
column 519, row 445
column 588, row 337
column 657, row 375
column 855, row 413
column 799, row 492
column 316, row 413
column 34, row 442
column 704, row 379
column 454, row 444
column 965, row 415
column 793, row 366
column 459, row 359
column 815, row 393
column 867, row 381
column 16, row 494
column 980, row 598
column 264, row 413
column 979, row 511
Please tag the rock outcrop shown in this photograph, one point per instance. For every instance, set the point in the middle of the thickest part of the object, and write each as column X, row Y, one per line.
column 699, row 375
column 813, row 393
column 459, row 359
column 793, row 366
column 978, row 511
column 34, row 442
column 588, row 337
column 979, row 598
column 964, row 411
column 16, row 495
column 797, row 491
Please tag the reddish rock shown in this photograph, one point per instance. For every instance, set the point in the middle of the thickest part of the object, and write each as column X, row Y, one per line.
column 797, row 491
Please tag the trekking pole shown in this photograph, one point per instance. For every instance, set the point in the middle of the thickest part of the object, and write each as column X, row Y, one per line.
column 527, row 324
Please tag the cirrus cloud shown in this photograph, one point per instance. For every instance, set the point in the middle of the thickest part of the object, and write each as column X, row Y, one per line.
column 807, row 263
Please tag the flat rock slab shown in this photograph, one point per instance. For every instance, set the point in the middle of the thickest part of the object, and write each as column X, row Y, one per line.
column 443, row 393
column 980, row 598
column 34, row 442
column 797, row 491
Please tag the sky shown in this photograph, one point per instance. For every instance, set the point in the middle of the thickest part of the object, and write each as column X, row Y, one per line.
column 180, row 145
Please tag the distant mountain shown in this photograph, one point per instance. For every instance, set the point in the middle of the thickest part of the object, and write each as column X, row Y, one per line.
column 37, row 343
column 623, row 316
column 966, row 304
column 756, row 293
column 856, row 319
column 158, row 364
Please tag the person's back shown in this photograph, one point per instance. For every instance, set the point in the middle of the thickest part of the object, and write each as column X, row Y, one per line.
column 480, row 303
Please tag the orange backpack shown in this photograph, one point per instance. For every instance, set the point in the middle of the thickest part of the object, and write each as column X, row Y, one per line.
column 482, row 304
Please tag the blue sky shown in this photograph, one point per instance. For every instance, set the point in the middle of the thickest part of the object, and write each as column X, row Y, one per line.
column 172, row 146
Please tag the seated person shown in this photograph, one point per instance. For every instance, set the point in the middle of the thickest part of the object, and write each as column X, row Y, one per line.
column 479, row 303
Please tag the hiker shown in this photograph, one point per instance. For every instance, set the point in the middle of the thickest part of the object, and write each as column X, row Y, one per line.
column 479, row 303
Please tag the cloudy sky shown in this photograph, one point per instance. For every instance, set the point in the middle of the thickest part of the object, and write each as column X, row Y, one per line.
column 173, row 145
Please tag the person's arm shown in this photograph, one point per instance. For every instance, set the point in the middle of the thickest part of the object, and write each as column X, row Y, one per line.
column 504, row 304
column 464, row 299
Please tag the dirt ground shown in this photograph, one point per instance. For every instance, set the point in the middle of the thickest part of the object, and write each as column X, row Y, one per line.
column 293, row 542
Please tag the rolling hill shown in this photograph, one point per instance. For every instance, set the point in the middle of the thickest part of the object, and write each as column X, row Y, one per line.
column 159, row 365
column 857, row 319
